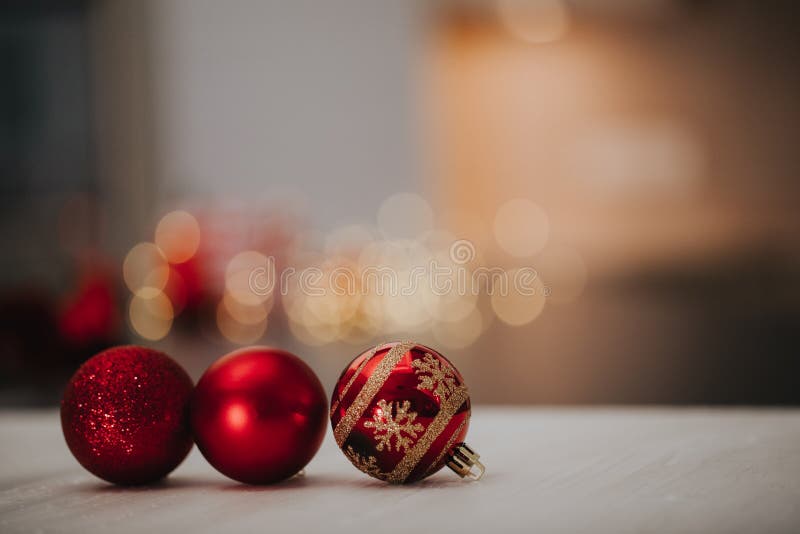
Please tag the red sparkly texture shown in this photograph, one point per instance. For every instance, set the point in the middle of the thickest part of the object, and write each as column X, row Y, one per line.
column 388, row 436
column 124, row 415
column 259, row 415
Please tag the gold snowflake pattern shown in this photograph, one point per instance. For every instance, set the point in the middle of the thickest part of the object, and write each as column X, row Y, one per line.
column 434, row 377
column 400, row 426
column 367, row 464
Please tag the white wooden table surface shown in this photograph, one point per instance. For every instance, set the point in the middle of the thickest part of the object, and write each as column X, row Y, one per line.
column 548, row 470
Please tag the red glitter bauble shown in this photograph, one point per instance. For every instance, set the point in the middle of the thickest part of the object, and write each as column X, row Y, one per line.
column 400, row 412
column 125, row 415
column 258, row 415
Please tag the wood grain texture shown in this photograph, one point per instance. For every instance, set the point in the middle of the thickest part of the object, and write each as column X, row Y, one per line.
column 548, row 470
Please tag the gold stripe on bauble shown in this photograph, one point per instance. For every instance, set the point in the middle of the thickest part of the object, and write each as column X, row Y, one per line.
column 448, row 446
column 371, row 387
column 437, row 426
column 349, row 384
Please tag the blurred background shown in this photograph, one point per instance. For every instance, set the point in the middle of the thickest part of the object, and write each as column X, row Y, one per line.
column 641, row 155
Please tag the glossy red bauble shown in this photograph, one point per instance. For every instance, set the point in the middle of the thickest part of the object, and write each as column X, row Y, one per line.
column 400, row 412
column 258, row 415
column 125, row 415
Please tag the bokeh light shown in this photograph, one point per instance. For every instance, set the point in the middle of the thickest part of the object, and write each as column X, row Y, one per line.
column 245, row 313
column 145, row 270
column 517, row 308
column 151, row 317
column 178, row 236
column 521, row 228
column 311, row 331
column 239, row 277
column 237, row 331
column 407, row 311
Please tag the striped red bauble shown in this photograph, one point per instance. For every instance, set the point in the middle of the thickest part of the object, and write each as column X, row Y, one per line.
column 400, row 412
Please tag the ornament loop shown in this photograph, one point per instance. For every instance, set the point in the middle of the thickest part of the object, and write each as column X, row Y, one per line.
column 463, row 459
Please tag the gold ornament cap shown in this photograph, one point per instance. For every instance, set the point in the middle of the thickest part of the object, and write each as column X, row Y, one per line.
column 463, row 459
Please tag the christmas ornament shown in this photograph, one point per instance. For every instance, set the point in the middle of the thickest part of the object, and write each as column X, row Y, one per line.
column 125, row 415
column 258, row 415
column 400, row 412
